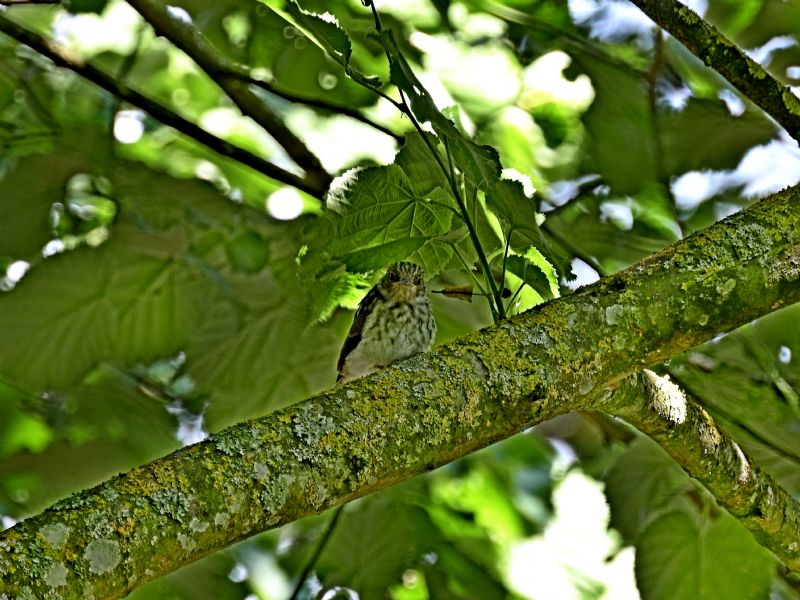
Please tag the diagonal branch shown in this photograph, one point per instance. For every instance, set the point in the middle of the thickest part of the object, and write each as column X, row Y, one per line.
column 718, row 52
column 188, row 39
column 316, row 103
column 679, row 424
column 62, row 58
column 354, row 439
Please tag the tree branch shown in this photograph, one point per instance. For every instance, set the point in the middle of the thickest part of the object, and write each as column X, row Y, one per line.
column 680, row 425
column 316, row 103
column 62, row 58
column 188, row 39
column 357, row 438
column 722, row 55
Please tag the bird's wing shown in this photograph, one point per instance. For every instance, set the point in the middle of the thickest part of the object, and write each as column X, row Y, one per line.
column 357, row 328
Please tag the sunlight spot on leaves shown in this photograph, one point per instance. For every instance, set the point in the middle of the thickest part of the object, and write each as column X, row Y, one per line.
column 129, row 126
column 285, row 204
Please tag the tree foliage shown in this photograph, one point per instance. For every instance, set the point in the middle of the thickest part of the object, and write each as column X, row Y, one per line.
column 182, row 242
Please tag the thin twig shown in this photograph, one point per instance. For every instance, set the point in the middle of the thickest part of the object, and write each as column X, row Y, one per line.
column 189, row 39
column 62, row 59
column 317, row 552
column 317, row 103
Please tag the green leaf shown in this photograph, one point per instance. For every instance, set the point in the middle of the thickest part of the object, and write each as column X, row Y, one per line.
column 516, row 211
column 248, row 251
column 377, row 257
column 534, row 270
column 678, row 558
column 621, row 138
column 640, row 485
column 480, row 164
column 382, row 206
column 94, row 303
column 324, row 30
column 726, row 138
column 374, row 543
column 416, row 160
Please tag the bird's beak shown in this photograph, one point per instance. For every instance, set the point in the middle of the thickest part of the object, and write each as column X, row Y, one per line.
column 406, row 291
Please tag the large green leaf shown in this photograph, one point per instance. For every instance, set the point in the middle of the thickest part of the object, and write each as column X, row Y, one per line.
column 704, row 135
column 621, row 143
column 641, row 484
column 680, row 558
column 374, row 544
column 382, row 206
column 516, row 211
column 417, row 160
column 74, row 310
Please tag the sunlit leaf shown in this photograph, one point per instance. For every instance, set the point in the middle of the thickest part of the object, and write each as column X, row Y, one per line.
column 383, row 206
column 325, row 31
column 533, row 269
column 516, row 211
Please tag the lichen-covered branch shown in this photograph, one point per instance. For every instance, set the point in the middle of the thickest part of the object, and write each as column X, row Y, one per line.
column 714, row 49
column 62, row 58
column 679, row 424
column 412, row 417
column 188, row 39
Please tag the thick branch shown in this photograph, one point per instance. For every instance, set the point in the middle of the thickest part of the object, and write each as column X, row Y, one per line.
column 722, row 55
column 405, row 420
column 192, row 42
column 62, row 58
column 677, row 422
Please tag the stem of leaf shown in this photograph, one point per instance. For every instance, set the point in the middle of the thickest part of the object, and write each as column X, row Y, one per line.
column 505, row 257
column 317, row 552
column 375, row 14
column 514, row 297
column 472, row 275
column 473, row 234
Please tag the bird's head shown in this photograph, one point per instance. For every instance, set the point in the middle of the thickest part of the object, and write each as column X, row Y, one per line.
column 404, row 282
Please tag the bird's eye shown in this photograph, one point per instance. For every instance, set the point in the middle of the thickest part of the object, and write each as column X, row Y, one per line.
column 418, row 280
column 394, row 276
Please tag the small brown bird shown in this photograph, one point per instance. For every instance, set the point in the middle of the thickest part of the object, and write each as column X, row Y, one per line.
column 392, row 322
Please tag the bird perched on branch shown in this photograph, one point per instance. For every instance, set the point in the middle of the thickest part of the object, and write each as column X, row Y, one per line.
column 392, row 322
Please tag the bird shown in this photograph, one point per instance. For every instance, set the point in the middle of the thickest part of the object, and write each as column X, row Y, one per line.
column 394, row 321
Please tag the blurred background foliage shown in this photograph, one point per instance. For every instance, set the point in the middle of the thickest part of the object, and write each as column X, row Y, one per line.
column 151, row 291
